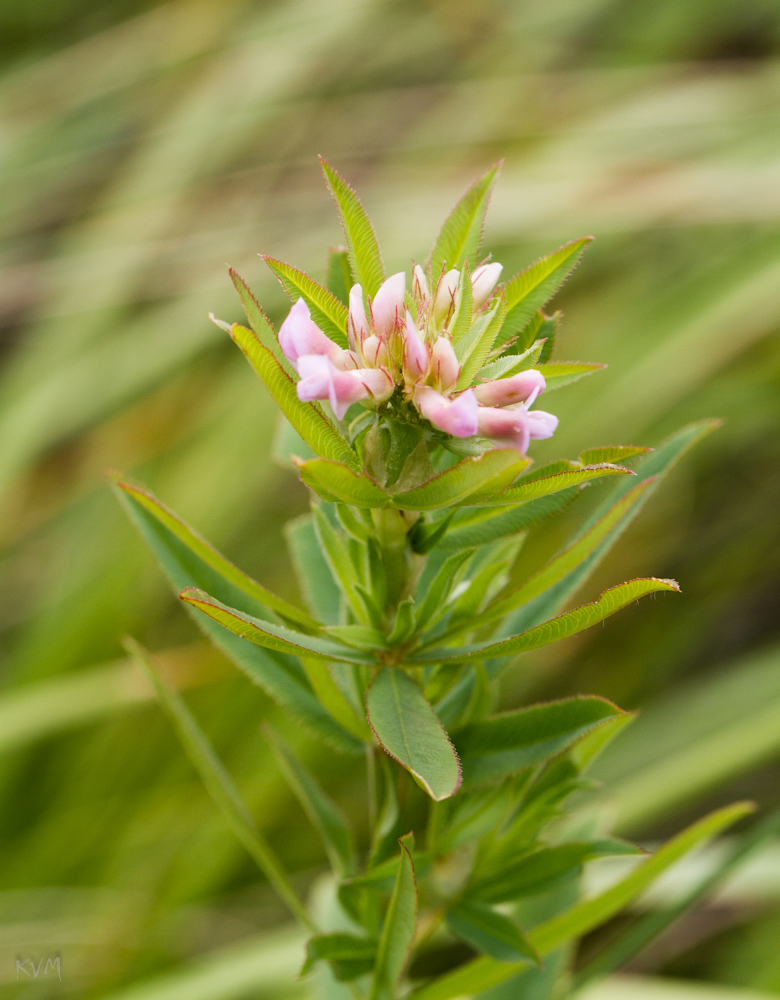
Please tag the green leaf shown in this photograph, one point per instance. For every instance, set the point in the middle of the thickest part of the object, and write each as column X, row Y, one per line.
column 653, row 468
column 362, row 247
column 614, row 453
column 463, row 314
column 328, row 313
column 403, row 626
column 307, row 418
column 548, row 331
column 433, row 604
column 319, row 589
column 335, row 480
column 267, row 634
column 588, row 749
column 333, row 700
column 567, row 561
column 339, row 274
column 201, row 550
column 557, row 374
column 490, row 932
column 281, row 676
column 482, row 973
column 478, row 525
column 399, row 929
column 357, row 636
column 341, row 566
column 468, row 481
column 219, row 784
column 538, row 871
column 323, row 814
column 571, row 623
column 479, row 350
column 259, row 322
column 461, row 235
column 531, row 289
column 350, row 956
column 409, row 730
column 500, row 745
column 510, row 364
column 531, row 489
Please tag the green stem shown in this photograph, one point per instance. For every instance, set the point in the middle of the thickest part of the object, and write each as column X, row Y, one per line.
column 371, row 781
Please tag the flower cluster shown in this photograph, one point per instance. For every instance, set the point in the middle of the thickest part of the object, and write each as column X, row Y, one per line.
column 392, row 354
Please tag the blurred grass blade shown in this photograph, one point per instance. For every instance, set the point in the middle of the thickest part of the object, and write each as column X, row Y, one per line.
column 322, row 813
column 398, row 929
column 220, row 785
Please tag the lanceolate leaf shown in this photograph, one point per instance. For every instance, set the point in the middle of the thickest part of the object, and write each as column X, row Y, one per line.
column 531, row 289
column 557, row 374
column 364, row 256
column 480, row 349
column 461, row 235
column 510, row 364
column 318, row 587
column 490, row 932
column 409, row 730
column 336, row 480
column 554, row 630
column 614, row 453
column 307, row 418
column 398, row 930
column 500, row 745
column 339, row 274
column 328, row 313
column 569, row 559
column 655, row 467
column 280, row 675
column 531, row 489
column 259, row 322
column 202, row 551
column 478, row 525
column 467, row 481
column 267, row 634
column 322, row 813
column 482, row 973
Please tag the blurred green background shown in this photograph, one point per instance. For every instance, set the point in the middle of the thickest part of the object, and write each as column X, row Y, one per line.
column 142, row 147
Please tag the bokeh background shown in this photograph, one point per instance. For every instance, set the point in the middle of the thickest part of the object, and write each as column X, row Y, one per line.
column 142, row 147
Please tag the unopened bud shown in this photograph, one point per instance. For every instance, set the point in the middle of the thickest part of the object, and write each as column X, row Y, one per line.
column 416, row 359
column 420, row 284
column 445, row 295
column 387, row 307
column 444, row 364
column 483, row 281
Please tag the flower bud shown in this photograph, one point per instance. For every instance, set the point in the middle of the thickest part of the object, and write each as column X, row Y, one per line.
column 483, row 281
column 357, row 323
column 456, row 416
column 300, row 335
column 415, row 354
column 444, row 364
column 515, row 389
column 387, row 307
column 420, row 284
column 445, row 295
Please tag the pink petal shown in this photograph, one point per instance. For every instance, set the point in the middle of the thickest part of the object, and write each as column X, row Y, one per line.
column 542, row 424
column 514, row 389
column 357, row 323
column 416, row 359
column 483, row 281
column 387, row 307
column 456, row 416
column 300, row 335
column 508, row 427
column 444, row 364
column 446, row 290
column 320, row 379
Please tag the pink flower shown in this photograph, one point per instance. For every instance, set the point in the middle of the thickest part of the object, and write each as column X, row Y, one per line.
column 483, row 281
column 456, row 416
column 357, row 323
column 515, row 389
column 320, row 379
column 299, row 335
column 375, row 351
column 444, row 364
column 416, row 359
column 515, row 428
column 446, row 290
column 420, row 284
column 387, row 307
